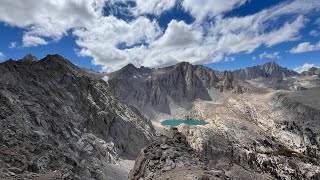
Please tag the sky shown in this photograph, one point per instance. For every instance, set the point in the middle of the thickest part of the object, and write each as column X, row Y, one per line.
column 105, row 35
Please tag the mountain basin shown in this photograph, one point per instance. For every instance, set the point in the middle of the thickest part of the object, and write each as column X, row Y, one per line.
column 177, row 122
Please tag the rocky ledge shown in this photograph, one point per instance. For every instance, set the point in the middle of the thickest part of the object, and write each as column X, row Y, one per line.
column 170, row 157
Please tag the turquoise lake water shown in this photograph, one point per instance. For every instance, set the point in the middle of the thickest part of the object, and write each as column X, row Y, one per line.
column 177, row 122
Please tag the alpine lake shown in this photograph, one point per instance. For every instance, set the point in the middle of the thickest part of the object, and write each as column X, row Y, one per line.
column 177, row 122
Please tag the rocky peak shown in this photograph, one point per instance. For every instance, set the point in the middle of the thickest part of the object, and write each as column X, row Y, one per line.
column 56, row 58
column 29, row 58
column 129, row 67
column 312, row 71
column 271, row 64
column 130, row 70
column 184, row 66
column 184, row 63
column 58, row 63
column 268, row 70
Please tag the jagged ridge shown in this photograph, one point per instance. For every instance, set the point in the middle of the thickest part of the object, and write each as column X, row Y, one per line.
column 56, row 121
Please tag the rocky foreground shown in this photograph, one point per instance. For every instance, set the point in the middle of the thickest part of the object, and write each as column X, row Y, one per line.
column 171, row 157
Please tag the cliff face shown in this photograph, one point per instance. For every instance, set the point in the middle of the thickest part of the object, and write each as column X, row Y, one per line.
column 271, row 69
column 181, row 84
column 58, row 122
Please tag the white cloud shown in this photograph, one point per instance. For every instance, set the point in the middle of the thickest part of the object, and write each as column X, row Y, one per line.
column 13, row 45
column 29, row 40
column 314, row 33
column 266, row 55
column 113, row 43
column 317, row 21
column 305, row 47
column 155, row 7
column 202, row 8
column 179, row 34
column 49, row 18
column 305, row 67
column 101, row 41
column 229, row 59
column 2, row 55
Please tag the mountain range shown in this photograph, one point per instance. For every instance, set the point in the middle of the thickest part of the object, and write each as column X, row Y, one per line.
column 59, row 121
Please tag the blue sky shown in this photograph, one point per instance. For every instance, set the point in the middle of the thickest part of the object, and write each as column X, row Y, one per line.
column 105, row 35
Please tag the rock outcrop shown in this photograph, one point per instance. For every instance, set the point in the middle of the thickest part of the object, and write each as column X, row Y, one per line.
column 58, row 122
column 271, row 69
column 170, row 156
column 163, row 154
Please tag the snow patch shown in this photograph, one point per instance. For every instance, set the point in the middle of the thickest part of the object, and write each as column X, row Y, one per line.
column 105, row 78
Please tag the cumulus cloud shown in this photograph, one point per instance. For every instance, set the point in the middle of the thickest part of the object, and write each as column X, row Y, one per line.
column 50, row 18
column 305, row 67
column 102, row 40
column 155, row 7
column 305, row 47
column 29, row 40
column 13, row 45
column 317, row 21
column 113, row 42
column 2, row 55
column 202, row 8
column 314, row 33
column 266, row 55
column 179, row 34
column 245, row 34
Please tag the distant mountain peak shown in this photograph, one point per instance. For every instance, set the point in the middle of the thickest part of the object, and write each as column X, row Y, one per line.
column 272, row 63
column 29, row 58
column 56, row 58
column 184, row 63
column 129, row 66
column 271, row 69
column 312, row 71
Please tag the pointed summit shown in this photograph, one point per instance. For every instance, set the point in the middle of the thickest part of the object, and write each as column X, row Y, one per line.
column 312, row 71
column 29, row 58
column 184, row 63
column 129, row 66
column 51, row 59
column 268, row 70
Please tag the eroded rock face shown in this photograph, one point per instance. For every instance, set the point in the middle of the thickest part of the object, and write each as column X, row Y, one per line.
column 156, row 90
column 58, row 122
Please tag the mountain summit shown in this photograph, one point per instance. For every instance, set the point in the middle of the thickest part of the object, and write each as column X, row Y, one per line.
column 29, row 58
column 270, row 69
